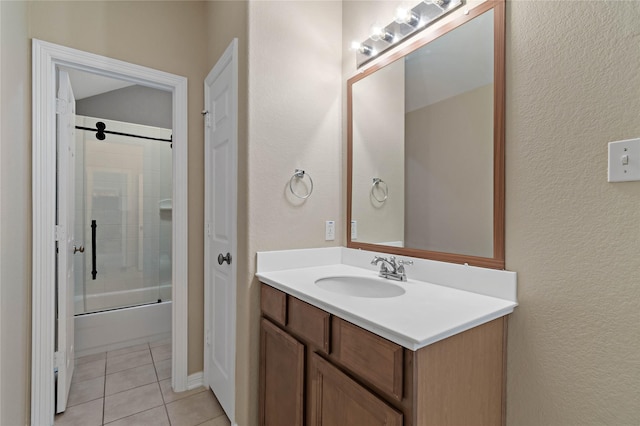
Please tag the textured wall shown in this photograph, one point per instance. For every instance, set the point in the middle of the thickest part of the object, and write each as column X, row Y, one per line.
column 15, row 245
column 573, row 84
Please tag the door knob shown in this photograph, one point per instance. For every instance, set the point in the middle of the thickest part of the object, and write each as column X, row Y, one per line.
column 78, row 249
column 222, row 259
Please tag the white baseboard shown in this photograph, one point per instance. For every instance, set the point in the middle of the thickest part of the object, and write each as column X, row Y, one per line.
column 195, row 380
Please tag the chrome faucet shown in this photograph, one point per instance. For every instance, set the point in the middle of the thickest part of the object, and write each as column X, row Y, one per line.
column 390, row 268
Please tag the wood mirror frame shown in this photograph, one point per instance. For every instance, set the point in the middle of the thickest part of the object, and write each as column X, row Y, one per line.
column 425, row 37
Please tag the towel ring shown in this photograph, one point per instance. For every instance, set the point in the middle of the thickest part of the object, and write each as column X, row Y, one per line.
column 300, row 174
column 385, row 190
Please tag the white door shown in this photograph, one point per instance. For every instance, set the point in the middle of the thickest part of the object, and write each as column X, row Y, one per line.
column 221, row 170
column 64, row 356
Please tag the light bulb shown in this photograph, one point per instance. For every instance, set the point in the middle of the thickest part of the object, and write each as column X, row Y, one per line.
column 361, row 47
column 407, row 16
column 379, row 32
column 442, row 3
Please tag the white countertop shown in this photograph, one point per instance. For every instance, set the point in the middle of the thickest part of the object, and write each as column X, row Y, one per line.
column 424, row 314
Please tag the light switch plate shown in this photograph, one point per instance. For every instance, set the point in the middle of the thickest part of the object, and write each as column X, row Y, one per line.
column 624, row 160
column 330, row 230
column 354, row 229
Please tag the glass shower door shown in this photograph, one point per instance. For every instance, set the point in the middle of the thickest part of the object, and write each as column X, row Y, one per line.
column 124, row 210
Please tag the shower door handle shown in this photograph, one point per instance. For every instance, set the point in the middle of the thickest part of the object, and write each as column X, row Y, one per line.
column 222, row 259
column 94, row 272
column 78, row 249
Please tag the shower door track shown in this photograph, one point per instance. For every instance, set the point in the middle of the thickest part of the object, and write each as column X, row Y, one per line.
column 121, row 307
column 101, row 130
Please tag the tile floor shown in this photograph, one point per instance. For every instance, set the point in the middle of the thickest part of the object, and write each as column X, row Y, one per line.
column 132, row 387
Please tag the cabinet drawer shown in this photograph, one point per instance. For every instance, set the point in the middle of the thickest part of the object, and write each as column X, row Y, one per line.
column 373, row 358
column 311, row 323
column 273, row 304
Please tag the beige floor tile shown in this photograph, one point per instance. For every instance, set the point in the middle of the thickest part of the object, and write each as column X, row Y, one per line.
column 194, row 409
column 160, row 342
column 127, row 361
column 87, row 414
column 90, row 358
column 86, row 390
column 130, row 402
column 127, row 350
column 169, row 395
column 129, row 379
column 156, row 417
column 218, row 421
column 163, row 369
column 161, row 353
column 89, row 370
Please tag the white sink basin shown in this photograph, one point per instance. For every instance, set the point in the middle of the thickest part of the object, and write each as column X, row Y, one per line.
column 360, row 286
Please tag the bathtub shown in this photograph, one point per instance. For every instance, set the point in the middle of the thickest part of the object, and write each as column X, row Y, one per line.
column 119, row 328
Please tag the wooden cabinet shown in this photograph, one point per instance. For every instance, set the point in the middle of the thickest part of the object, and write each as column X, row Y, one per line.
column 281, row 377
column 338, row 400
column 317, row 369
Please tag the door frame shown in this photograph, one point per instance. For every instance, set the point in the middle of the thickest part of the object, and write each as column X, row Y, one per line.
column 45, row 57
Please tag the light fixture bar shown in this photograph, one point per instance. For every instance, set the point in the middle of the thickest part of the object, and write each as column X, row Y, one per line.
column 407, row 23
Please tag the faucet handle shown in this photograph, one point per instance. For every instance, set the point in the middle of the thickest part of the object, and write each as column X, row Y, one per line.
column 401, row 271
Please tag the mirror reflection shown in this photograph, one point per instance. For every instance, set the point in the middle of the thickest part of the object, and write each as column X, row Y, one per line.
column 423, row 146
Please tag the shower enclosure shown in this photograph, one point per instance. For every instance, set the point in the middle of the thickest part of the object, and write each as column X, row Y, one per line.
column 123, row 215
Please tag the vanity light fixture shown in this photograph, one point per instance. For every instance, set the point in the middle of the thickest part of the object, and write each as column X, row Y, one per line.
column 407, row 22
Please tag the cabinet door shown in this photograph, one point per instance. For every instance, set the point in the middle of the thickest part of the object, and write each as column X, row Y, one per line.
column 338, row 400
column 281, row 377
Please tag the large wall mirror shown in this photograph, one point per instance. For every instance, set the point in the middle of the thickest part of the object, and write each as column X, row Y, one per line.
column 426, row 145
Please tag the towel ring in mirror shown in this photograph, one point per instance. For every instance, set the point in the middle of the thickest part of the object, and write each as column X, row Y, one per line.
column 377, row 182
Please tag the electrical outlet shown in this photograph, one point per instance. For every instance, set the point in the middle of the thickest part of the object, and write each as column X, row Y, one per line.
column 330, row 230
column 354, row 229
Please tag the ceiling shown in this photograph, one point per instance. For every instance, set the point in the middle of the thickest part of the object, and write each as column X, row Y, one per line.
column 86, row 84
column 455, row 63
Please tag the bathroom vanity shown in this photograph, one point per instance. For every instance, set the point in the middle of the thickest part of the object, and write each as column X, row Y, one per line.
column 426, row 354
column 341, row 346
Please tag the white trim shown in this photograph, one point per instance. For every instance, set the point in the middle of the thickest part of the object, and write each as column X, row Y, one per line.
column 230, row 56
column 195, row 380
column 46, row 56
column 1, row 209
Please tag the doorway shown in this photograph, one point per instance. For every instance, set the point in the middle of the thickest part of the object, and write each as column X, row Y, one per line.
column 47, row 59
